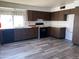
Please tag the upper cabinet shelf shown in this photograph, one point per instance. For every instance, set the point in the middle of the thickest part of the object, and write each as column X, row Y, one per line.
column 34, row 15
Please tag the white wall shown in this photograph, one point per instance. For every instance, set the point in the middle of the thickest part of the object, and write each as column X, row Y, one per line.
column 63, row 23
column 59, row 24
column 21, row 6
column 68, row 6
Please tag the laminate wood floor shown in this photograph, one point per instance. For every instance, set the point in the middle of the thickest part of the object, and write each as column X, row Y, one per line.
column 46, row 48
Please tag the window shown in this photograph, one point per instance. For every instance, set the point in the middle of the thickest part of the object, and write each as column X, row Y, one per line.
column 6, row 21
column 18, row 21
column 12, row 19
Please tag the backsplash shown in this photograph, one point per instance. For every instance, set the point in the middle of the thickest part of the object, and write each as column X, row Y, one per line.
column 51, row 23
column 58, row 23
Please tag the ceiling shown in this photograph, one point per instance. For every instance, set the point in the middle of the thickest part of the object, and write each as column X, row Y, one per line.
column 41, row 3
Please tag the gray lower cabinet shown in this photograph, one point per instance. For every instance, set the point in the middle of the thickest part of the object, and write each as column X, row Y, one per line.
column 58, row 33
column 19, row 34
column 7, row 36
column 22, row 34
column 0, row 36
column 12, row 35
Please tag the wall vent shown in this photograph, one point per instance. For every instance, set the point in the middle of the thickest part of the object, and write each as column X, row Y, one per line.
column 62, row 7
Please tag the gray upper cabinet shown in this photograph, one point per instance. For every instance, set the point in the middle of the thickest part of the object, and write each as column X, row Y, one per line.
column 34, row 15
column 58, row 16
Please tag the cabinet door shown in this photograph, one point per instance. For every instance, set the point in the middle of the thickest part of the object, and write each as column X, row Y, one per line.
column 32, row 33
column 20, row 34
column 55, row 16
column 58, row 16
column 58, row 32
column 34, row 15
column 61, row 16
column 55, row 32
column 47, row 16
column 29, row 13
column 24, row 34
column 8, row 36
column 0, row 36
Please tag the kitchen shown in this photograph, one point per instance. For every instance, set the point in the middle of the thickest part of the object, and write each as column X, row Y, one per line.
column 32, row 32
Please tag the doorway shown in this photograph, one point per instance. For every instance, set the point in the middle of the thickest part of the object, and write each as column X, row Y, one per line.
column 69, row 27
